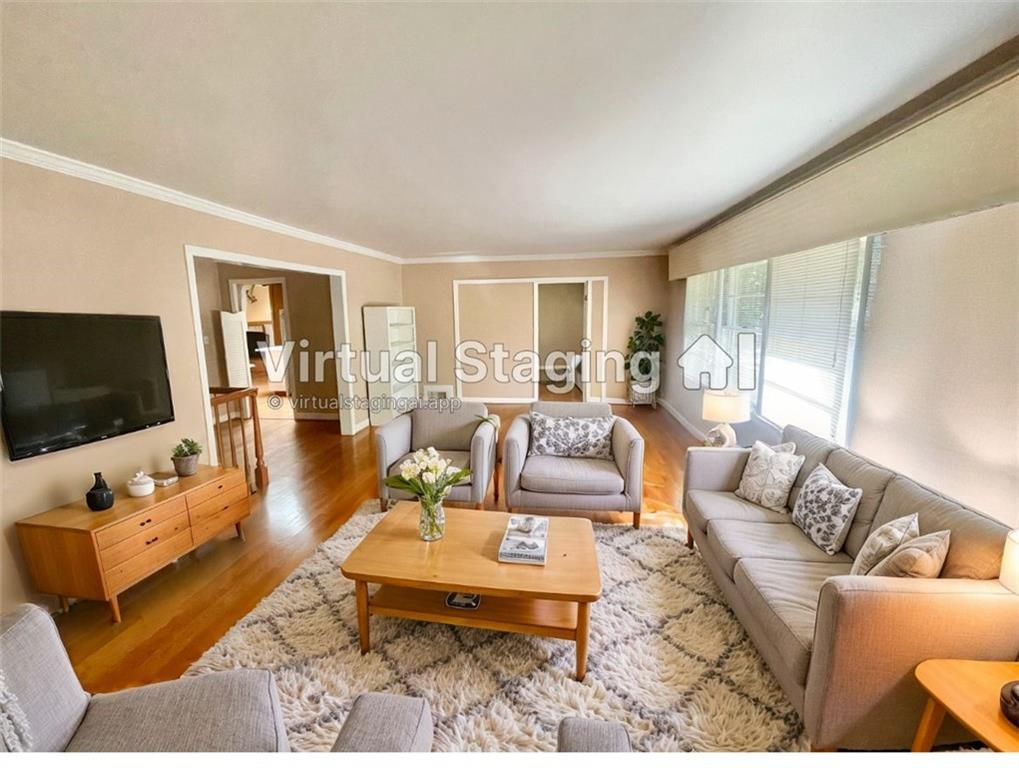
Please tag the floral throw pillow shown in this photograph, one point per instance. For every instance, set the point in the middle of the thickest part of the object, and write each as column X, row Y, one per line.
column 825, row 508
column 769, row 475
column 571, row 436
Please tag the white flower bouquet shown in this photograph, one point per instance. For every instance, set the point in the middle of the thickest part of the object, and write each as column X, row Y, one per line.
column 429, row 477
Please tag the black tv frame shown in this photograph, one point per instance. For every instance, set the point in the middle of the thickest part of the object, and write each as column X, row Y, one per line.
column 84, row 316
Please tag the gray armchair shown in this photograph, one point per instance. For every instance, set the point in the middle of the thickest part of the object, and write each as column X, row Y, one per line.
column 43, row 707
column 574, row 484
column 462, row 435
column 579, row 734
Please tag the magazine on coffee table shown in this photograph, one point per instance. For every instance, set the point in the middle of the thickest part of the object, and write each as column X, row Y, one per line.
column 525, row 541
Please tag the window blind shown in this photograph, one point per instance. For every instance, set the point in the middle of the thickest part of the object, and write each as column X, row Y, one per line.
column 813, row 303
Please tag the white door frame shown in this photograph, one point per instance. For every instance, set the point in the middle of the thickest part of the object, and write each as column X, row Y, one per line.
column 348, row 425
column 587, row 280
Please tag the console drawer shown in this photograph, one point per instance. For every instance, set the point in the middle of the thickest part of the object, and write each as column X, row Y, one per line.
column 146, row 539
column 227, row 481
column 223, row 517
column 208, row 509
column 122, row 576
column 135, row 524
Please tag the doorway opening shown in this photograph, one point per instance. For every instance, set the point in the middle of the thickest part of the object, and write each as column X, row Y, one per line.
column 562, row 321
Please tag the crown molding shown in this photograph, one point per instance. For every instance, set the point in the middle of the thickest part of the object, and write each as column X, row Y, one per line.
column 474, row 258
column 41, row 158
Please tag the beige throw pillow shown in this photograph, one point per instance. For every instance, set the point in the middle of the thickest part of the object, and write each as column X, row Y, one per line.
column 769, row 475
column 919, row 558
column 883, row 541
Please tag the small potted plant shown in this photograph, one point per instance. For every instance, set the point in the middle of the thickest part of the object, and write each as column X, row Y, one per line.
column 185, row 457
column 429, row 477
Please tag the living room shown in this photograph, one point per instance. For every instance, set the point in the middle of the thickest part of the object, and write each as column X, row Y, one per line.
column 767, row 467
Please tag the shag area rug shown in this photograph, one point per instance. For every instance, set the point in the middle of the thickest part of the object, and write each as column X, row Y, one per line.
column 666, row 658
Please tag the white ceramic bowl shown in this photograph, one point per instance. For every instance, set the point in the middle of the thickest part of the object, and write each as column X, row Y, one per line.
column 141, row 489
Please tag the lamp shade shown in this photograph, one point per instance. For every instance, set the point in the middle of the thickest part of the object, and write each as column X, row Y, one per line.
column 1010, row 562
column 726, row 407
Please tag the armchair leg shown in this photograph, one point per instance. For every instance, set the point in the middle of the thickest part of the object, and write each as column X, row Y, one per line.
column 383, row 503
column 636, row 519
column 479, row 505
column 689, row 539
column 495, row 481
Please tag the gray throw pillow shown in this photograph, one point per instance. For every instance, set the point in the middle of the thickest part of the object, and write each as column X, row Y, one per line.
column 769, row 475
column 825, row 508
column 883, row 541
column 919, row 558
column 571, row 436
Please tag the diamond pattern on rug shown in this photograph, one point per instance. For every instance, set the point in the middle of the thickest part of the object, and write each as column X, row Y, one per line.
column 667, row 658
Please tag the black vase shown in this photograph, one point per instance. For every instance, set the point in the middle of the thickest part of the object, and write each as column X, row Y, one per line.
column 100, row 495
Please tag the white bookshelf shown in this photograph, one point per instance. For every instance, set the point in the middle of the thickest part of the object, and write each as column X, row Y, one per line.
column 392, row 330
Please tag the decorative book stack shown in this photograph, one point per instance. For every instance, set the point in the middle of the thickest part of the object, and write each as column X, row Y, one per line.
column 525, row 541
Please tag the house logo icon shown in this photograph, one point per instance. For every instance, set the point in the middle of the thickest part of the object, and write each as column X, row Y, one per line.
column 706, row 364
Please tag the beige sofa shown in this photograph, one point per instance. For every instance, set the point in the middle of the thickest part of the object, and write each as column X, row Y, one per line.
column 844, row 647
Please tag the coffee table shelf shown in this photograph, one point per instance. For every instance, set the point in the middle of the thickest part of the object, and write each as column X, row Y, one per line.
column 548, row 618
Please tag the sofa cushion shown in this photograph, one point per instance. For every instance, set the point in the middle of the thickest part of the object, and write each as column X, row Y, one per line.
column 703, row 506
column 769, row 474
column 233, row 711
column 882, row 541
column 558, row 474
column 922, row 557
column 825, row 509
column 732, row 540
column 782, row 596
column 38, row 674
column 978, row 541
column 856, row 472
column 814, row 450
column 444, row 429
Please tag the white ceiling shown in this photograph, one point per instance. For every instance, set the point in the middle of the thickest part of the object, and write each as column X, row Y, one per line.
column 424, row 130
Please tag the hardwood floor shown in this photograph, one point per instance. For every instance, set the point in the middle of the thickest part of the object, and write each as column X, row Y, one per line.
column 318, row 478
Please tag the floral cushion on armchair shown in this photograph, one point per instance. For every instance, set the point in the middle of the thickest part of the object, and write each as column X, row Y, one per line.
column 571, row 436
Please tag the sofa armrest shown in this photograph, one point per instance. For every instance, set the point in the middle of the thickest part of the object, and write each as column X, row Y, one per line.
column 628, row 452
column 714, row 469
column 386, row 722
column 483, row 444
column 872, row 631
column 392, row 440
column 579, row 734
column 514, row 454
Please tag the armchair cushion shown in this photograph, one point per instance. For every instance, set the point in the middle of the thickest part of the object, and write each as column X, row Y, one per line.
column 445, row 429
column 233, row 711
column 385, row 722
column 560, row 474
column 39, row 680
column 578, row 734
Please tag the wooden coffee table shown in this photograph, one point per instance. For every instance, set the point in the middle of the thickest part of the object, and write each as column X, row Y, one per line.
column 553, row 600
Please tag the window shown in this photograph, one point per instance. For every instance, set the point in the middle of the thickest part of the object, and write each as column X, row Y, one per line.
column 803, row 310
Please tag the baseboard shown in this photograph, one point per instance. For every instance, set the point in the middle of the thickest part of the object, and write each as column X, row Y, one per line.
column 362, row 425
column 683, row 421
column 315, row 416
column 498, row 400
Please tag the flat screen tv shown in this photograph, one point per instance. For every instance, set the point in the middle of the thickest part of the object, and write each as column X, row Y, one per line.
column 70, row 379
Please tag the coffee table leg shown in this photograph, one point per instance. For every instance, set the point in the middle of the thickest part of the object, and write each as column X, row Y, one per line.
column 583, row 616
column 930, row 723
column 362, row 615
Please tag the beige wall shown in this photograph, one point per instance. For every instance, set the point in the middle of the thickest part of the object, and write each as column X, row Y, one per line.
column 635, row 286
column 493, row 313
column 561, row 318
column 75, row 246
column 210, row 302
column 311, row 318
column 259, row 311
column 938, row 397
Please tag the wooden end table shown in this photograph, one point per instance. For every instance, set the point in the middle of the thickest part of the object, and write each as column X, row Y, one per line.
column 553, row 600
column 970, row 692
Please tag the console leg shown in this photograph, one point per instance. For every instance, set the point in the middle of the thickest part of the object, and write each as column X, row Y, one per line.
column 115, row 609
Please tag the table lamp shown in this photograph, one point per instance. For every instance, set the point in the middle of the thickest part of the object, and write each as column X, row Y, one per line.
column 725, row 408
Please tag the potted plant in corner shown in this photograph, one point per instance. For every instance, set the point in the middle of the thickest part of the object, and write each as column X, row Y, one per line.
column 429, row 477
column 646, row 339
column 185, row 457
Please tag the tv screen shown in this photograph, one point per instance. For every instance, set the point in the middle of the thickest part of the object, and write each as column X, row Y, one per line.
column 70, row 379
